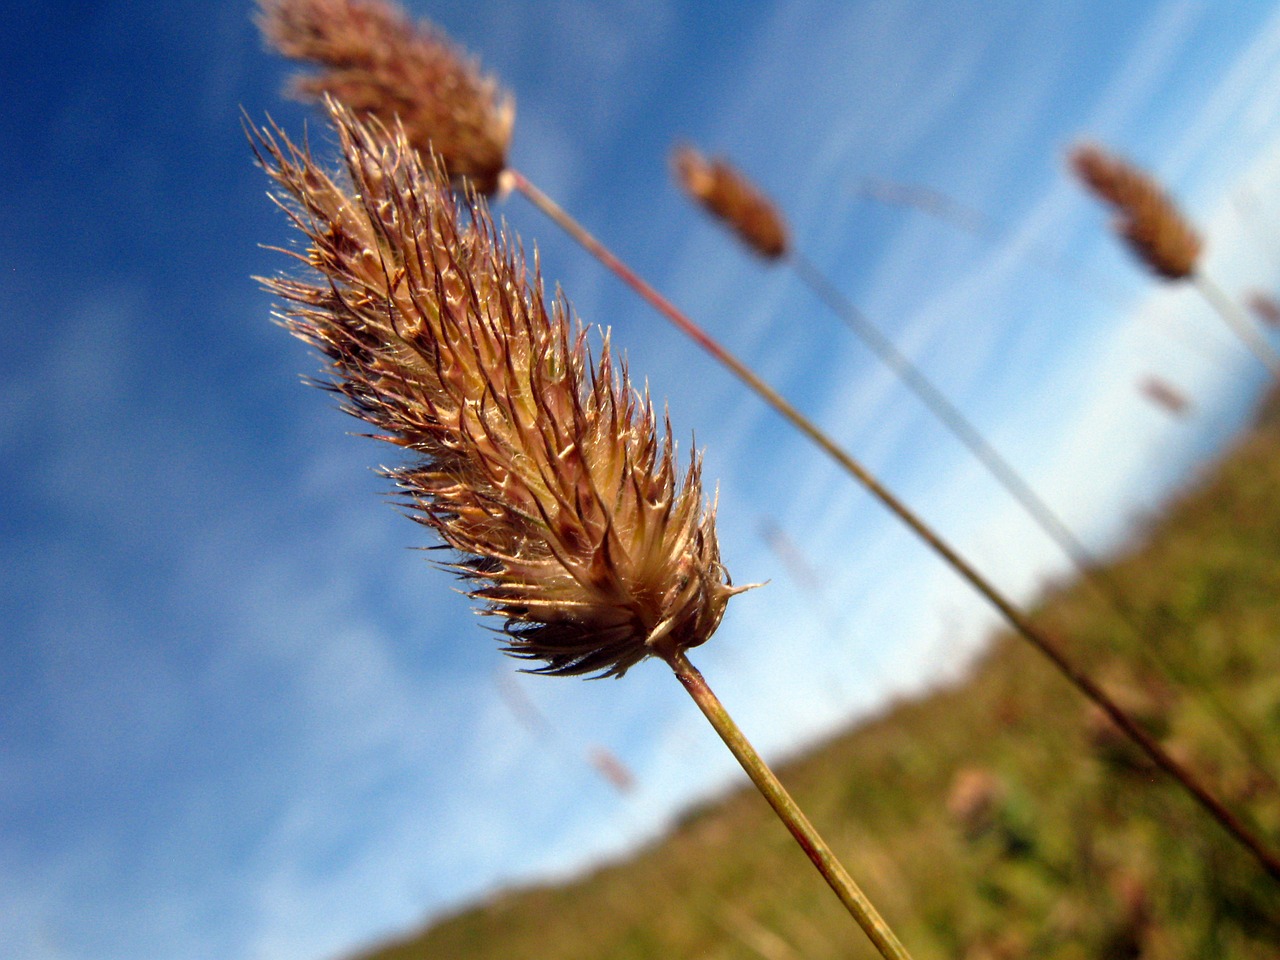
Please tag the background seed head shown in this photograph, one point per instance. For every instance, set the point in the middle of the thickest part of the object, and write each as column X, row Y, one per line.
column 1147, row 220
column 375, row 59
column 728, row 195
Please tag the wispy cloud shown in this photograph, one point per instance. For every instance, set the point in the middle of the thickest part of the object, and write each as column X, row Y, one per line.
column 242, row 720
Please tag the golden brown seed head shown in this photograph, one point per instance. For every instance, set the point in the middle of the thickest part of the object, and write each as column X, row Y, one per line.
column 376, row 60
column 728, row 195
column 547, row 472
column 1148, row 221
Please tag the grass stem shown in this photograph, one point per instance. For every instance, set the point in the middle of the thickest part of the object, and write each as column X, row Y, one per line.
column 788, row 811
column 1087, row 566
column 1187, row 779
column 1234, row 317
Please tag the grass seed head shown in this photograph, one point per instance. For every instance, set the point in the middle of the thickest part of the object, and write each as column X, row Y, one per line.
column 732, row 198
column 547, row 472
column 373, row 58
column 1147, row 220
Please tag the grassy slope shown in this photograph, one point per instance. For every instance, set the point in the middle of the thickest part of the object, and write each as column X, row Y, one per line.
column 1081, row 852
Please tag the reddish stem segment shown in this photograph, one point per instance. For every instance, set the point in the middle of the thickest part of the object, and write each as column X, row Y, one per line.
column 1182, row 775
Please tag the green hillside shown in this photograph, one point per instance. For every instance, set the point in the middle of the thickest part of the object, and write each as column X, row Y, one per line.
column 999, row 818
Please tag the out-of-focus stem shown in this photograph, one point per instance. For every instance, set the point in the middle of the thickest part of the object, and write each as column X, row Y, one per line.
column 817, row 850
column 1234, row 317
column 1086, row 565
column 1041, row 641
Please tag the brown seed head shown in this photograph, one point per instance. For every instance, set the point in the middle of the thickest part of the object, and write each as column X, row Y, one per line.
column 376, row 60
column 1148, row 221
column 728, row 195
column 549, row 473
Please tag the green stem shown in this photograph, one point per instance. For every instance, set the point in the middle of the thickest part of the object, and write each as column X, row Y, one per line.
column 1041, row 641
column 1239, row 323
column 788, row 811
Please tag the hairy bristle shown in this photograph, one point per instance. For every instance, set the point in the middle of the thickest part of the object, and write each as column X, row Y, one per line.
column 373, row 58
column 546, row 471
column 728, row 195
column 1148, row 221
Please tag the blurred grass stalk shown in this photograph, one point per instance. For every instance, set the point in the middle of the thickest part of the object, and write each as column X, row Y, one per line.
column 376, row 59
column 545, row 471
column 737, row 203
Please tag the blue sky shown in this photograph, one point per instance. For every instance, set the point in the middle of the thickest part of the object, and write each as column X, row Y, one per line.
column 240, row 718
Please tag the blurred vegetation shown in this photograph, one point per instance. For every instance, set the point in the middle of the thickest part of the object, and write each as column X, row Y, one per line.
column 998, row 818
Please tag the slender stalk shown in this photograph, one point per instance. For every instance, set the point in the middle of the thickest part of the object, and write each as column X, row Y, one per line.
column 1036, row 508
column 946, row 411
column 1183, row 776
column 817, row 850
column 1070, row 270
column 1235, row 318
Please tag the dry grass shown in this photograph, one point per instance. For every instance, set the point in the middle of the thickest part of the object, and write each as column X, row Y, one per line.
column 544, row 470
column 1087, row 854
column 1146, row 219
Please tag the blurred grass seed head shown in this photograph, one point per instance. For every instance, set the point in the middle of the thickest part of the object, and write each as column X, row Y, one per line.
column 375, row 59
column 725, row 193
column 1155, row 230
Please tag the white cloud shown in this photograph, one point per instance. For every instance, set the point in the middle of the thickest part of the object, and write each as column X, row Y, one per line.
column 309, row 710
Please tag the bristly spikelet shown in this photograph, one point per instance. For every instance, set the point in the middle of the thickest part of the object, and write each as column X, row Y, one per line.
column 731, row 197
column 1154, row 228
column 374, row 59
column 547, row 472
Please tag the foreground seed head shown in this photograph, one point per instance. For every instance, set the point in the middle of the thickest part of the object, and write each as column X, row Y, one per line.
column 731, row 197
column 374, row 59
column 1148, row 221
column 547, row 472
